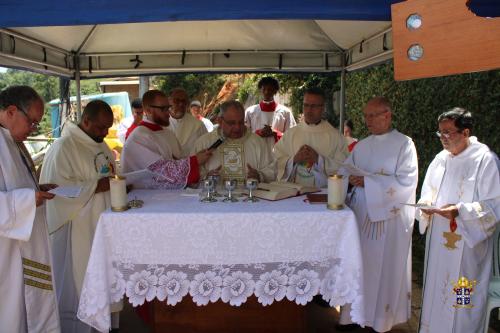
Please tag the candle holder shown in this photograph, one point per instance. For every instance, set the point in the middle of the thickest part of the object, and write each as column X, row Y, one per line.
column 208, row 186
column 335, row 192
column 251, row 184
column 230, row 185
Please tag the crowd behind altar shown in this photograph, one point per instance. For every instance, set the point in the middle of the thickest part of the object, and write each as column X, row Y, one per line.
column 45, row 240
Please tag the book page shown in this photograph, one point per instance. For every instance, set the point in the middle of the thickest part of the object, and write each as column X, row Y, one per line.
column 67, row 191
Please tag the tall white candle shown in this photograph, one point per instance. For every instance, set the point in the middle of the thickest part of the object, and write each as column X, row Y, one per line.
column 118, row 189
column 335, row 192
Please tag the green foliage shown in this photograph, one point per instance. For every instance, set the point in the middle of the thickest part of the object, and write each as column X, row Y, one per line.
column 87, row 87
column 418, row 103
column 46, row 86
column 196, row 85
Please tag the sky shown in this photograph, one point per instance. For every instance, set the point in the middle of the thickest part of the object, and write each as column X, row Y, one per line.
column 3, row 69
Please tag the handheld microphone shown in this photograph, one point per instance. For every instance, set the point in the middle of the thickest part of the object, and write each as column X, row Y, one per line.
column 217, row 143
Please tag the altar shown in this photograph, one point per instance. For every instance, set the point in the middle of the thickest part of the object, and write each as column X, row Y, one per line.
column 175, row 249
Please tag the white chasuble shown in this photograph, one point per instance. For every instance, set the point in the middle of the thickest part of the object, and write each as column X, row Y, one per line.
column 249, row 149
column 385, row 225
column 188, row 129
column 156, row 149
column 26, row 276
column 471, row 181
column 75, row 159
column 324, row 139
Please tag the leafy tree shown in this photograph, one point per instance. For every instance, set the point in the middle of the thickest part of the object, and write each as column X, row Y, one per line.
column 46, row 86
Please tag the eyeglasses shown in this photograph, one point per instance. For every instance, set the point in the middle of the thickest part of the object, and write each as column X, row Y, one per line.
column 374, row 115
column 446, row 135
column 312, row 106
column 33, row 124
column 162, row 108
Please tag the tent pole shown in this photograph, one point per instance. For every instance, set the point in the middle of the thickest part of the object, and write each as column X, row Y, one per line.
column 64, row 105
column 78, row 93
column 342, row 96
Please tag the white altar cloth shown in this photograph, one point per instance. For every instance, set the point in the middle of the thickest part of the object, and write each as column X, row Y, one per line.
column 175, row 245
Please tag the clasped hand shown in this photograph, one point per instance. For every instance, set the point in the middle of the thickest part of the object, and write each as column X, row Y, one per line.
column 306, row 154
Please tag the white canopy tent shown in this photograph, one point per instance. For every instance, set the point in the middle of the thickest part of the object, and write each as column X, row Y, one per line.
column 88, row 39
column 197, row 46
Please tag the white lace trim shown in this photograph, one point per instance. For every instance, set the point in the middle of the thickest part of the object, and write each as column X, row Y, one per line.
column 233, row 284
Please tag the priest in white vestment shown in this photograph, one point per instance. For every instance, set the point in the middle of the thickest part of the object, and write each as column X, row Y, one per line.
column 187, row 128
column 29, row 301
column 313, row 150
column 79, row 158
column 152, row 146
column 389, row 160
column 269, row 119
column 243, row 153
column 463, row 181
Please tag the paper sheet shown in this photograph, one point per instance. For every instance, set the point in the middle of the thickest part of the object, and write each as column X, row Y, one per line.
column 67, row 191
column 420, row 205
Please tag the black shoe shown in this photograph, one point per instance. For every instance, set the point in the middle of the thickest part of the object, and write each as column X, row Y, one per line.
column 346, row 328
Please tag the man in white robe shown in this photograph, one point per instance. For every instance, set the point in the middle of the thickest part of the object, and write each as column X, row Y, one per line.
column 128, row 124
column 26, row 281
column 196, row 111
column 385, row 224
column 463, row 181
column 313, row 150
column 153, row 147
column 246, row 148
column 269, row 119
column 79, row 158
column 187, row 128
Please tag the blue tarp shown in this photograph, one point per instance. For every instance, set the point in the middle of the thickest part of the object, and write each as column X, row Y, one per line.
column 15, row 13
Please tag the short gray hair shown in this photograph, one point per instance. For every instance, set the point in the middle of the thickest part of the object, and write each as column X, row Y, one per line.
column 20, row 96
column 230, row 104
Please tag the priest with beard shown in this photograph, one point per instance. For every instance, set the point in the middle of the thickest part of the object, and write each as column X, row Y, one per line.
column 79, row 158
column 152, row 146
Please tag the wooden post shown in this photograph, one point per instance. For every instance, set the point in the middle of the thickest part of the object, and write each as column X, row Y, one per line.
column 454, row 40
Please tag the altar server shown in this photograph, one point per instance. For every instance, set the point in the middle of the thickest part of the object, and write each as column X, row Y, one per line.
column 269, row 119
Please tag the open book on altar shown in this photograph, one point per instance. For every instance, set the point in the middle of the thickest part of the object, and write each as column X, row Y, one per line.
column 282, row 190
